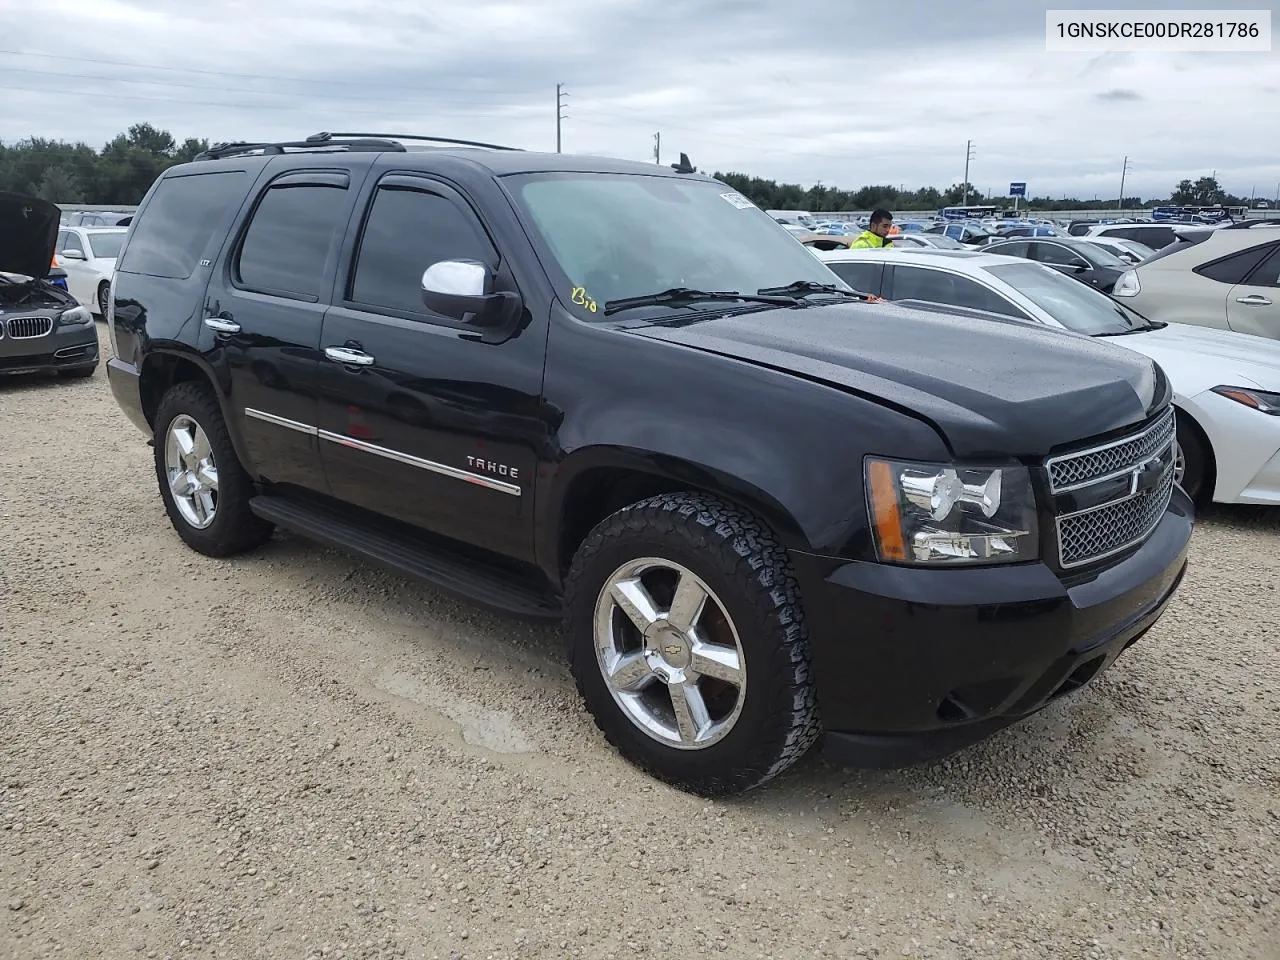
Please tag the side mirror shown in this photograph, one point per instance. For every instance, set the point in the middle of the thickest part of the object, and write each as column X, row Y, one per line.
column 72, row 254
column 463, row 290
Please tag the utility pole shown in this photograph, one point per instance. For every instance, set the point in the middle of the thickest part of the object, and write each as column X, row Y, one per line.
column 657, row 147
column 968, row 155
column 560, row 114
column 1123, row 170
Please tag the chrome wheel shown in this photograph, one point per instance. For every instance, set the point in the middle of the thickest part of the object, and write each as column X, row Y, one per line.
column 191, row 472
column 1179, row 463
column 669, row 653
column 103, row 291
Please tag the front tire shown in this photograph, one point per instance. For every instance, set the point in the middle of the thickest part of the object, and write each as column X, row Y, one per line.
column 104, row 291
column 206, row 491
column 1192, row 461
column 688, row 644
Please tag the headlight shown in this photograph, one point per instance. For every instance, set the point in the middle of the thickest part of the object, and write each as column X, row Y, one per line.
column 74, row 317
column 936, row 514
column 1127, row 285
column 1250, row 397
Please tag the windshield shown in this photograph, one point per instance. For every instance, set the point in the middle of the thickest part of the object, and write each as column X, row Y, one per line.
column 1074, row 305
column 615, row 236
column 107, row 245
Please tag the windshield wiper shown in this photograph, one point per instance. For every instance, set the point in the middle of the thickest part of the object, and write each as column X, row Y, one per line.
column 804, row 288
column 685, row 295
column 1156, row 325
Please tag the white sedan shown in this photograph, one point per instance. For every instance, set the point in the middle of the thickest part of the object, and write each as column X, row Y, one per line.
column 1226, row 385
column 88, row 254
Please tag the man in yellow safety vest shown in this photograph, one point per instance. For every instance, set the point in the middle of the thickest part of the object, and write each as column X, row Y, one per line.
column 877, row 234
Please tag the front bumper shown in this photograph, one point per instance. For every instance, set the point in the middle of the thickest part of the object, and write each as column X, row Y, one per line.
column 914, row 664
column 63, row 348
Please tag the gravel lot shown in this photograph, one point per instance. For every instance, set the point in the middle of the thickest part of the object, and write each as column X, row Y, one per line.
column 296, row 755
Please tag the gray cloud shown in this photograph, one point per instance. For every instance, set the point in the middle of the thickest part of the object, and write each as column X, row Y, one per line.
column 1119, row 96
column 833, row 90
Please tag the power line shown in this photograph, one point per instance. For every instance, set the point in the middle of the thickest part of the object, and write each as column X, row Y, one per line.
column 200, row 86
column 65, row 57
column 220, row 103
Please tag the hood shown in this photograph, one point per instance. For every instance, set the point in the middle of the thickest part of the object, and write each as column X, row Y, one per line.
column 28, row 234
column 991, row 388
column 1197, row 358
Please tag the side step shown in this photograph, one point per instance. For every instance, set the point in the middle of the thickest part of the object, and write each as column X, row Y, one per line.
column 493, row 588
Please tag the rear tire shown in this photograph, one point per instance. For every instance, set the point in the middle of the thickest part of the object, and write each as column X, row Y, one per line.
column 205, row 489
column 747, row 716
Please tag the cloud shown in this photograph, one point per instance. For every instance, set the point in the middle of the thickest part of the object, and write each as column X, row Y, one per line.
column 832, row 90
column 1119, row 96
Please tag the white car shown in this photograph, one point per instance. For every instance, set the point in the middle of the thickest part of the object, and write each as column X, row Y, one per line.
column 1130, row 251
column 1226, row 385
column 88, row 254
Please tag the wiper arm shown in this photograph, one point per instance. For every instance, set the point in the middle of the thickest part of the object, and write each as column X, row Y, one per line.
column 805, row 288
column 684, row 295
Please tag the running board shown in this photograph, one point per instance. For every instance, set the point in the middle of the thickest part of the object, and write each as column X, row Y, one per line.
column 467, row 578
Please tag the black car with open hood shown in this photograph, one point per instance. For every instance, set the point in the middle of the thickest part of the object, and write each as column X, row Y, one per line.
column 43, row 329
column 766, row 509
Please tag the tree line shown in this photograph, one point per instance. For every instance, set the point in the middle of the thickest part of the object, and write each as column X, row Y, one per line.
column 122, row 170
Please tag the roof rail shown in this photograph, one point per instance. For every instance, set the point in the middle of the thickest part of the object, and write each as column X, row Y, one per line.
column 326, row 141
column 237, row 148
column 1255, row 222
column 325, row 136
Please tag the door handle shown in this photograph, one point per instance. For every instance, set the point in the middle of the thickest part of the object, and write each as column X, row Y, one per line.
column 1254, row 300
column 221, row 325
column 348, row 355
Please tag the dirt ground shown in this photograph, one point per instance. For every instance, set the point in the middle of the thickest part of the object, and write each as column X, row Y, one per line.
column 293, row 754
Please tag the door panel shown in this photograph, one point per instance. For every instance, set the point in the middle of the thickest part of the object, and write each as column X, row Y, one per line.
column 1254, row 306
column 437, row 429
column 263, row 317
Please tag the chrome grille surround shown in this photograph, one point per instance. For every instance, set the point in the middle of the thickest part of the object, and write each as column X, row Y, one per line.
column 1071, row 471
column 1105, row 529
column 28, row 328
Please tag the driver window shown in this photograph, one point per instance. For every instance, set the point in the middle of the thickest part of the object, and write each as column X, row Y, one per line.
column 1058, row 256
column 407, row 231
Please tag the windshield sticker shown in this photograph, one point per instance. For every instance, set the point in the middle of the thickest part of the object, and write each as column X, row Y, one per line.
column 738, row 200
column 579, row 296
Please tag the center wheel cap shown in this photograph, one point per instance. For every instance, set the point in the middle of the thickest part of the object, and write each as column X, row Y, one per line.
column 669, row 645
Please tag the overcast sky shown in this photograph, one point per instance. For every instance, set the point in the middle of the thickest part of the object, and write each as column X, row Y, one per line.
column 842, row 92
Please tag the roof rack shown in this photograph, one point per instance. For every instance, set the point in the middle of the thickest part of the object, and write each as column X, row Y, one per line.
column 334, row 142
column 1255, row 222
column 323, row 137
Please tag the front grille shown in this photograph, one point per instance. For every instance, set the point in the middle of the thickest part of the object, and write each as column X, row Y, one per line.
column 27, row 328
column 1133, row 510
column 1107, row 530
column 1097, row 463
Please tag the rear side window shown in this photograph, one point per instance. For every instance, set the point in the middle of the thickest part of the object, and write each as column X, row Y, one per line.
column 286, row 248
column 179, row 221
column 1235, row 268
column 1267, row 275
column 920, row 283
column 863, row 277
column 407, row 231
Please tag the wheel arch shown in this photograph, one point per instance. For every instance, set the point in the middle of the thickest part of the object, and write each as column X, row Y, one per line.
column 597, row 481
column 163, row 368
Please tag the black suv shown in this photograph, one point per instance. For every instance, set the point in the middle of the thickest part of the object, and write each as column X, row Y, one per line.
column 622, row 395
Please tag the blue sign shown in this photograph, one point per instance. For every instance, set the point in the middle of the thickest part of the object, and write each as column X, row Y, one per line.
column 1017, row 189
